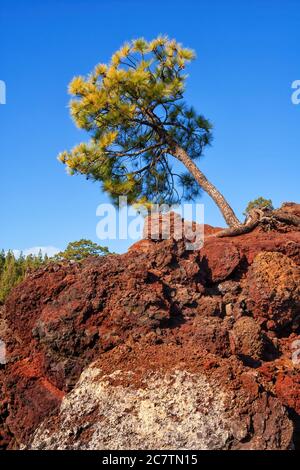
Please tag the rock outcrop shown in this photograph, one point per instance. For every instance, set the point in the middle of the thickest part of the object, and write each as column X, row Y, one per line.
column 160, row 347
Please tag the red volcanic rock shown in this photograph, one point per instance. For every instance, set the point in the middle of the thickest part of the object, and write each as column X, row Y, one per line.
column 218, row 260
column 288, row 390
column 203, row 339
column 272, row 286
column 161, row 226
column 162, row 387
column 33, row 397
column 246, row 339
column 291, row 208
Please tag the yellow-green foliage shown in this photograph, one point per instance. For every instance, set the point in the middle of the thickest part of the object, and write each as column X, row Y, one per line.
column 259, row 203
column 133, row 108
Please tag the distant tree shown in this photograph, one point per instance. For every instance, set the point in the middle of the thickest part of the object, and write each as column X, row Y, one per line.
column 79, row 250
column 9, row 276
column 40, row 255
column 13, row 270
column 259, row 203
column 2, row 260
column 134, row 111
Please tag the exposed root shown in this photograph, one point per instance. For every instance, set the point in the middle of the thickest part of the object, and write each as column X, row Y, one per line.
column 266, row 218
column 287, row 218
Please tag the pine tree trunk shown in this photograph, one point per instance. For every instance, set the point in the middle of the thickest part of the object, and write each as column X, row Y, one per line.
column 227, row 212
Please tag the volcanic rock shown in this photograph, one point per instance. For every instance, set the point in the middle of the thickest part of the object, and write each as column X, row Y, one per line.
column 160, row 347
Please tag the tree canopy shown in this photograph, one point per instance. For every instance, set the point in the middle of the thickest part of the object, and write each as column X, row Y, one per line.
column 259, row 203
column 13, row 270
column 79, row 250
column 134, row 111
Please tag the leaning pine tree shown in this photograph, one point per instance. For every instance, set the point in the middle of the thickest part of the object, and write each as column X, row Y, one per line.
column 134, row 111
column 138, row 121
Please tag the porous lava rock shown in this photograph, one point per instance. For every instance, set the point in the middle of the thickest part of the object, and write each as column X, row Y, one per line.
column 160, row 347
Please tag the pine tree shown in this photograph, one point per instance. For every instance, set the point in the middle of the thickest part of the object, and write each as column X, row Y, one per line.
column 259, row 203
column 134, row 111
column 79, row 250
column 2, row 261
column 9, row 276
column 13, row 270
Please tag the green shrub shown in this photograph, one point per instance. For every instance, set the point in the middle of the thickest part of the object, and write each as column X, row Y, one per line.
column 259, row 203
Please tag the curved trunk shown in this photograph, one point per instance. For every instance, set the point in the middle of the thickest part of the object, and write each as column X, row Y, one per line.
column 227, row 212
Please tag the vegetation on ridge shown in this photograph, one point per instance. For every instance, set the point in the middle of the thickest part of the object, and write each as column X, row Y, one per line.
column 259, row 203
column 79, row 250
column 13, row 268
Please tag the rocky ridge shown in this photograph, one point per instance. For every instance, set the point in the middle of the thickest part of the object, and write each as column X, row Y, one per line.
column 160, row 347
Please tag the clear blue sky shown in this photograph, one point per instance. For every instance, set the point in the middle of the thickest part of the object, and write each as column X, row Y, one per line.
column 248, row 56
